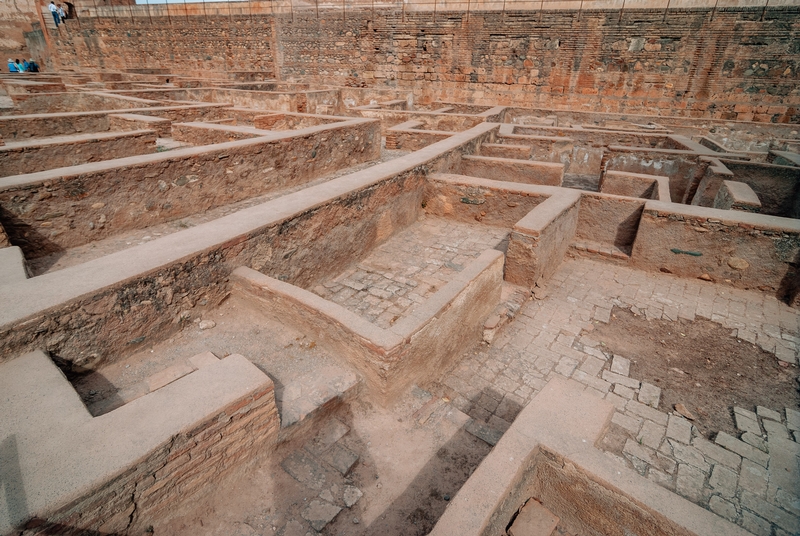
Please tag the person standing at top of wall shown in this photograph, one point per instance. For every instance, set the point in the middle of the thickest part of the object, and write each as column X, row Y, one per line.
column 54, row 11
column 34, row 67
column 12, row 67
column 61, row 13
column 26, row 65
column 19, row 66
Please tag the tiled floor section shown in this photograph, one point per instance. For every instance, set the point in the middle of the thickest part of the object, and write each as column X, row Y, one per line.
column 753, row 481
column 409, row 267
column 493, row 383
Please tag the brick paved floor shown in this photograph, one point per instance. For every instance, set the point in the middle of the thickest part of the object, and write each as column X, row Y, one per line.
column 493, row 383
column 409, row 267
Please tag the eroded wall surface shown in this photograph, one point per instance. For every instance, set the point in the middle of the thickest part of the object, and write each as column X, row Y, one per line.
column 725, row 64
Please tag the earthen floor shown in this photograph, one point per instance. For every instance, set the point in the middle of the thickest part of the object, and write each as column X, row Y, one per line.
column 552, row 337
column 406, row 269
column 237, row 327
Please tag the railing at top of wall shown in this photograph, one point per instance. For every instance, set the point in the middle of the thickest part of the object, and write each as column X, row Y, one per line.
column 177, row 9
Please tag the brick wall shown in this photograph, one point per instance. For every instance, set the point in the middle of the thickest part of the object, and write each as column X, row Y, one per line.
column 731, row 66
column 188, row 465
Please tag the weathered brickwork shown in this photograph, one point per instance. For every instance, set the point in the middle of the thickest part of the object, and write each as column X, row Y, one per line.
column 202, row 45
column 728, row 65
column 188, row 465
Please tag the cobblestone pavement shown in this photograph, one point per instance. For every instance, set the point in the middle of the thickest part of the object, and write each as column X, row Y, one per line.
column 409, row 267
column 754, row 482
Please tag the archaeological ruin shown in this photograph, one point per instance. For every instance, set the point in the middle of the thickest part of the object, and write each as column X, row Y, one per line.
column 448, row 267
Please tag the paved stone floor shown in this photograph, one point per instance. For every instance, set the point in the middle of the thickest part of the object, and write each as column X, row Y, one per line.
column 755, row 482
column 409, row 267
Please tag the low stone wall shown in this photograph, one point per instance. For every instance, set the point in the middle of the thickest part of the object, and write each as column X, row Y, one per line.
column 635, row 185
column 407, row 136
column 510, row 170
column 540, row 240
column 490, row 202
column 750, row 251
column 136, row 463
column 609, row 220
column 416, row 347
column 22, row 127
column 43, row 125
column 548, row 455
column 82, row 101
column 683, row 168
column 287, row 121
column 777, row 187
column 107, row 308
column 430, row 120
column 35, row 155
column 53, row 210
column 502, row 150
column 198, row 133
column 124, row 122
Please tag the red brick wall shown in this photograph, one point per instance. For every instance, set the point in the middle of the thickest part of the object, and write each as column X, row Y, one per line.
column 731, row 66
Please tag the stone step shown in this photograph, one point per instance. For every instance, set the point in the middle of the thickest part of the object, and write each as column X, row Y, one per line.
column 534, row 520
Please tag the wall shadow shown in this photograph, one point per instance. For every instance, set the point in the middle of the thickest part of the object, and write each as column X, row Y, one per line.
column 11, row 481
column 423, row 502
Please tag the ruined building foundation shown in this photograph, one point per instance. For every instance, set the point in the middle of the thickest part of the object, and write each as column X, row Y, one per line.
column 418, row 268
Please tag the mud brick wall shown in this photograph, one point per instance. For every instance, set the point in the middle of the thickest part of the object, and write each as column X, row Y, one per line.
column 38, row 157
column 55, row 211
column 182, row 469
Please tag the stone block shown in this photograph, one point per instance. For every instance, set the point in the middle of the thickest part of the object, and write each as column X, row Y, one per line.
column 716, row 453
column 775, row 429
column 746, row 424
column 615, row 378
column 621, row 365
column 201, row 360
column 649, row 394
column 689, row 482
column 679, row 429
column 753, row 478
column 724, row 481
column 741, row 448
column 793, row 419
column 766, row 413
column 723, row 508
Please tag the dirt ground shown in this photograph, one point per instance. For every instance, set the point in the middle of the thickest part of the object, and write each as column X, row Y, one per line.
column 407, row 472
column 701, row 365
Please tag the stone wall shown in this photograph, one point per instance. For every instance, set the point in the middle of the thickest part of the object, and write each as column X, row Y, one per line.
column 58, row 209
column 33, row 156
column 725, row 64
column 183, row 468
